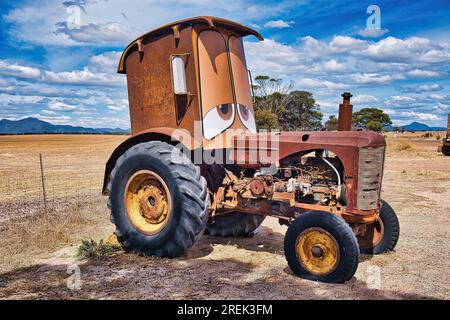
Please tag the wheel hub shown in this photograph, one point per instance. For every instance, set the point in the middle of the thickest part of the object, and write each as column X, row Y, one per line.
column 373, row 235
column 317, row 251
column 152, row 203
column 147, row 201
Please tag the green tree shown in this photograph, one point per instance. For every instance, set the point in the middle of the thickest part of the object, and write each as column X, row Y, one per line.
column 371, row 119
column 292, row 110
column 332, row 123
column 266, row 119
column 301, row 112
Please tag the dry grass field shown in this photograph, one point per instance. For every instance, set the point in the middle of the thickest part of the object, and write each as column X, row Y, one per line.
column 38, row 247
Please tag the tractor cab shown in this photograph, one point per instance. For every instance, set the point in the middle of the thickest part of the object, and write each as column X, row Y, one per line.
column 198, row 66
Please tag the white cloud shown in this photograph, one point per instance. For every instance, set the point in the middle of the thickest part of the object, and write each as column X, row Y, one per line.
column 54, row 119
column 418, row 73
column 403, row 99
column 333, row 65
column 411, row 49
column 279, row 24
column 422, row 88
column 59, row 106
column 49, row 112
column 84, row 77
column 373, row 32
column 101, row 33
column 421, row 116
column 364, row 98
column 16, row 70
column 346, row 43
column 374, row 78
column 315, row 83
column 106, row 62
column 118, row 105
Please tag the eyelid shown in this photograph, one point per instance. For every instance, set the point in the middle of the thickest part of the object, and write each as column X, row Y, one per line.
column 214, row 124
column 250, row 123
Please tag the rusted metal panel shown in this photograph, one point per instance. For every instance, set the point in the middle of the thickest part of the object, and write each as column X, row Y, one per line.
column 150, row 92
column 370, row 175
column 175, row 27
column 448, row 126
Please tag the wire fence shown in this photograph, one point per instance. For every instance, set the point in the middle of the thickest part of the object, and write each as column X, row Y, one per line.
column 31, row 182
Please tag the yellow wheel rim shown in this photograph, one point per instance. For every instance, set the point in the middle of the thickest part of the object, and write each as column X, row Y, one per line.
column 147, row 202
column 317, row 251
column 373, row 235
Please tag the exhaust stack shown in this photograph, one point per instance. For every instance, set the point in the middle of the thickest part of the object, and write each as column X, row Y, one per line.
column 345, row 113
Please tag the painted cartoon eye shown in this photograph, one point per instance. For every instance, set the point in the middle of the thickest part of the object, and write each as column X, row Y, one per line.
column 217, row 120
column 247, row 117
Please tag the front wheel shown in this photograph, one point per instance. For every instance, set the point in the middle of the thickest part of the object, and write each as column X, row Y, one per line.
column 382, row 235
column 320, row 246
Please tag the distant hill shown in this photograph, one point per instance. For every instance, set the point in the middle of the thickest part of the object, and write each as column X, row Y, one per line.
column 416, row 126
column 36, row 126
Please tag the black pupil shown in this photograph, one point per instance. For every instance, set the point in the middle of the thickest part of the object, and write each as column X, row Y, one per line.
column 245, row 110
column 224, row 108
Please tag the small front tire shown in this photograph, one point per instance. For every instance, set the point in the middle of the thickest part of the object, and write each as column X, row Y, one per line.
column 382, row 235
column 320, row 246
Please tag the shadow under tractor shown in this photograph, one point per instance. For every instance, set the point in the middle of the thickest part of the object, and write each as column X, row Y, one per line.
column 196, row 164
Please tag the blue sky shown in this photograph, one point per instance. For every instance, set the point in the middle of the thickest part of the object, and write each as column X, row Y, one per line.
column 58, row 58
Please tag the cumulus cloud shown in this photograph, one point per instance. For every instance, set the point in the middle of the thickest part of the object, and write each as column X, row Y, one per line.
column 346, row 43
column 333, row 65
column 373, row 32
column 422, row 88
column 106, row 62
column 418, row 73
column 375, row 78
column 83, row 77
column 13, row 69
column 59, row 106
column 364, row 98
column 100, row 33
column 117, row 106
column 314, row 83
column 410, row 49
column 279, row 24
column 54, row 119
column 421, row 116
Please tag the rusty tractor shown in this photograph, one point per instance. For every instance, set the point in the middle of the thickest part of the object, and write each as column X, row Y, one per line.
column 445, row 148
column 196, row 164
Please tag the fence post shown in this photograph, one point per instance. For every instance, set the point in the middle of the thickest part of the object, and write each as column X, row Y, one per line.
column 43, row 181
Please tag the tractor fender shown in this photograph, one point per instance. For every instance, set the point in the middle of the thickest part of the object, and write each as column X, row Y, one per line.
column 170, row 135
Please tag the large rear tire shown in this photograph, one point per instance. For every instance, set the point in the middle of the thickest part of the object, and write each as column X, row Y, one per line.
column 382, row 235
column 158, row 200
column 320, row 246
column 235, row 224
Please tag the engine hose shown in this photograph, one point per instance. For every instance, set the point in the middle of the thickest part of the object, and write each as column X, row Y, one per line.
column 334, row 168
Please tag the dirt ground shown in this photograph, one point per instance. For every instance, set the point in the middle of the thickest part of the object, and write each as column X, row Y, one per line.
column 38, row 247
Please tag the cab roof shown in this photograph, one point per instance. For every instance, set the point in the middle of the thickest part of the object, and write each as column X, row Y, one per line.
column 175, row 28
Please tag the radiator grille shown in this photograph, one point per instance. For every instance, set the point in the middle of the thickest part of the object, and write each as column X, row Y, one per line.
column 371, row 163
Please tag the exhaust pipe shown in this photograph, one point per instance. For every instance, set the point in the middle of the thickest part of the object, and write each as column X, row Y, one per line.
column 345, row 113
